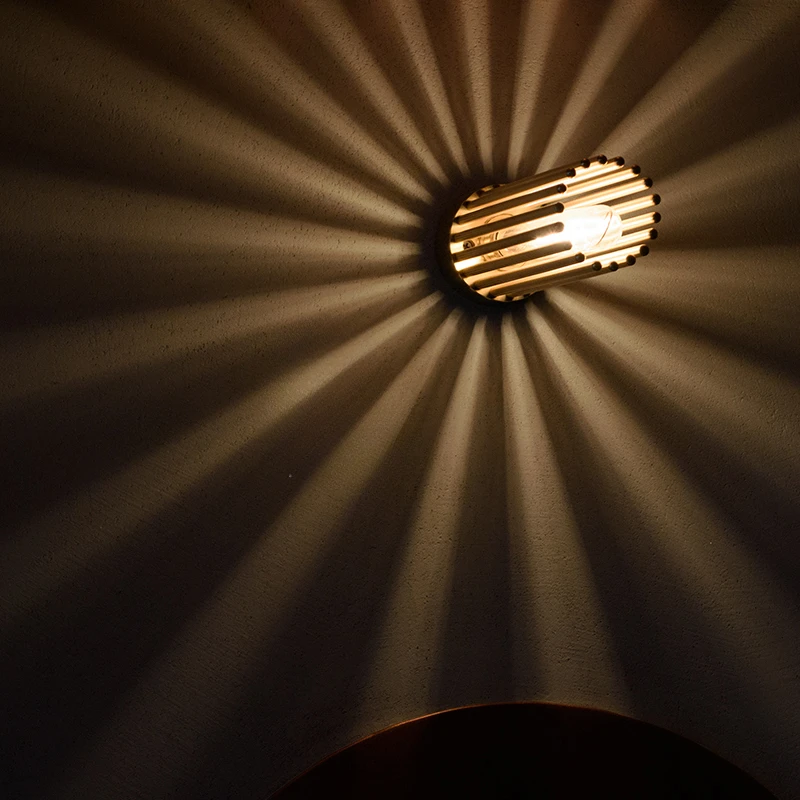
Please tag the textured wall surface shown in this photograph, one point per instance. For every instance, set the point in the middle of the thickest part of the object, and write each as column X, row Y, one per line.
column 267, row 491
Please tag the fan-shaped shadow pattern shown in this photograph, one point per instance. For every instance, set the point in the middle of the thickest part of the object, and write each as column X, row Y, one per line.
column 150, row 568
column 270, row 488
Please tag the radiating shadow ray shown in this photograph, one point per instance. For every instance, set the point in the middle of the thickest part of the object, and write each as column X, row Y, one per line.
column 223, row 55
column 120, row 417
column 526, row 453
column 410, row 23
column 382, row 30
column 70, row 296
column 472, row 32
column 575, row 29
column 117, row 178
column 658, row 40
column 687, row 314
column 537, row 29
column 186, row 455
column 56, row 697
column 111, row 638
column 148, row 131
column 406, row 660
column 475, row 643
column 56, row 356
column 562, row 648
column 690, row 625
column 358, row 51
column 443, row 20
column 756, row 91
column 581, row 464
column 313, row 633
column 759, row 513
column 619, row 26
column 505, row 25
column 297, row 33
column 742, row 196
column 101, row 249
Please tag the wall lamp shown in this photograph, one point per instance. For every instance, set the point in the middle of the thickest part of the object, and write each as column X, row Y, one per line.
column 509, row 241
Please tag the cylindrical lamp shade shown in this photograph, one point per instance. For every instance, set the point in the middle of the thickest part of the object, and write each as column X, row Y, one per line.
column 509, row 241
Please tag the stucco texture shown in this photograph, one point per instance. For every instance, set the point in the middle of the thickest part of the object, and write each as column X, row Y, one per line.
column 268, row 490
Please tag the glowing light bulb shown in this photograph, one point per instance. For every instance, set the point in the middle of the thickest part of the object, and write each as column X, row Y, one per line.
column 591, row 228
column 509, row 241
column 507, row 233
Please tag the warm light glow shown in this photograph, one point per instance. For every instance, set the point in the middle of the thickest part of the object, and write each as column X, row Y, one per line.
column 592, row 227
column 508, row 242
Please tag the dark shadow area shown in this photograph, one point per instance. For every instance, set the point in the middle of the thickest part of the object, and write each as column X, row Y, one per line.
column 743, row 210
column 657, row 633
column 175, row 44
column 207, row 181
column 66, row 671
column 575, row 30
column 664, row 35
column 69, row 439
column 332, row 630
column 152, row 107
column 83, row 281
column 475, row 648
column 776, row 344
column 524, row 750
column 583, row 467
column 377, row 26
column 115, row 165
column 758, row 92
column 505, row 24
column 43, row 137
column 445, row 21
column 289, row 31
column 758, row 514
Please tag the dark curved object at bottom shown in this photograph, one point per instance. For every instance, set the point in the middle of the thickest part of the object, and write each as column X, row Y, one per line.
column 529, row 750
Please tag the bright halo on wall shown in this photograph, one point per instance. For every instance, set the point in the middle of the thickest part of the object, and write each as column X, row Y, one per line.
column 574, row 222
